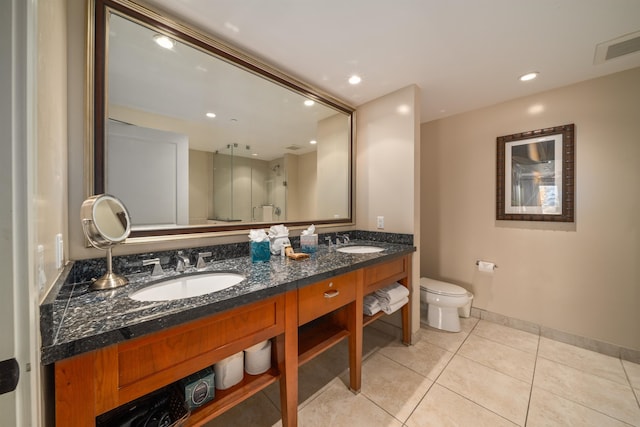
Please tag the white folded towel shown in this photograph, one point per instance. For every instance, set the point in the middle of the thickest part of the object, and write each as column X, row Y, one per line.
column 392, row 308
column 392, row 293
column 371, row 305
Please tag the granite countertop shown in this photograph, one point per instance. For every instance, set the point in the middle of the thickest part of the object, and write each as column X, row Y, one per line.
column 75, row 320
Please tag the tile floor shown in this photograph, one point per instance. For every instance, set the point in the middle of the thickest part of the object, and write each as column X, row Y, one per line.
column 486, row 375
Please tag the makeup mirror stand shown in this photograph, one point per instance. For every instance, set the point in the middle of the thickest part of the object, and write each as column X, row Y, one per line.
column 110, row 279
column 106, row 223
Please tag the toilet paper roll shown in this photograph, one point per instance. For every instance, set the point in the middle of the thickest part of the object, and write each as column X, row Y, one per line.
column 486, row 267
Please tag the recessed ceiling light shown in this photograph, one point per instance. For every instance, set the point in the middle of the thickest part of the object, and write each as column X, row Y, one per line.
column 529, row 76
column 164, row 41
column 354, row 80
column 309, row 102
column 211, row 115
column 313, row 142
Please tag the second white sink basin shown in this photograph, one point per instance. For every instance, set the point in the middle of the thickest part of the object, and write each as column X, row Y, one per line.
column 360, row 249
column 187, row 287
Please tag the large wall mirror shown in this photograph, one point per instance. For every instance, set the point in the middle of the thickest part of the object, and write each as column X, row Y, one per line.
column 195, row 136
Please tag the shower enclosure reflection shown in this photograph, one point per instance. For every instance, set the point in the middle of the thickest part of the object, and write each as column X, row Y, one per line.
column 246, row 189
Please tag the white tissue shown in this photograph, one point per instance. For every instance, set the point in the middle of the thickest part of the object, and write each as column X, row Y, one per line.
column 309, row 231
column 279, row 236
column 278, row 231
column 258, row 235
column 486, row 267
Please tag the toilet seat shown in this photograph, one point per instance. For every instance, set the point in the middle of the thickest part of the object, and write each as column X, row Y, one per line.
column 442, row 288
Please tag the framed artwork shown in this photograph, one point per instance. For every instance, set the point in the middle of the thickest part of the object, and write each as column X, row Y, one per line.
column 536, row 175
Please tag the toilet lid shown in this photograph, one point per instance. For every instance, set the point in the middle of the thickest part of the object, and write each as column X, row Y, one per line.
column 441, row 288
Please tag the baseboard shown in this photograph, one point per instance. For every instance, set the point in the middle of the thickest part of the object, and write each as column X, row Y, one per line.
column 556, row 335
column 391, row 327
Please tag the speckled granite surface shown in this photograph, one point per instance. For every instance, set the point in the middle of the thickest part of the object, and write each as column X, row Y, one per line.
column 75, row 320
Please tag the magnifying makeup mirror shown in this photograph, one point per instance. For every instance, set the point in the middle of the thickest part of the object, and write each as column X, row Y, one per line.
column 106, row 223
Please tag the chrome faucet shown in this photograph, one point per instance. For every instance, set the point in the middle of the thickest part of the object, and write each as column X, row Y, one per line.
column 344, row 237
column 183, row 263
column 157, row 268
column 201, row 263
column 330, row 242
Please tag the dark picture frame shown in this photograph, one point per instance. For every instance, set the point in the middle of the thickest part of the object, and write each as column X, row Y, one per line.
column 536, row 175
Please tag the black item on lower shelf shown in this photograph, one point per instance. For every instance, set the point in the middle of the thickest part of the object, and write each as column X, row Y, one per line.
column 163, row 408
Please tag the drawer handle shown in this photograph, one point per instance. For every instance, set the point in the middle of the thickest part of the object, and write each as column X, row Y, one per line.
column 332, row 294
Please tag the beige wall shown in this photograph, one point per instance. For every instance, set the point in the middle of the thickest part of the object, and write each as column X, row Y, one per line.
column 49, row 210
column 385, row 162
column 200, row 186
column 333, row 179
column 308, row 197
column 388, row 170
column 580, row 278
column 51, row 146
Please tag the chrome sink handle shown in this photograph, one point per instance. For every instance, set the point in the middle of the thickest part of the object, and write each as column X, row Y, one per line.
column 157, row 268
column 330, row 242
column 201, row 263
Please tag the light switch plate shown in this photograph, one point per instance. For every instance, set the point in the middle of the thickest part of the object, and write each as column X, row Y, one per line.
column 59, row 251
column 42, row 278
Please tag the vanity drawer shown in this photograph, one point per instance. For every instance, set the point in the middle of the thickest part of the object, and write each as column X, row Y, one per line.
column 165, row 356
column 323, row 297
column 382, row 275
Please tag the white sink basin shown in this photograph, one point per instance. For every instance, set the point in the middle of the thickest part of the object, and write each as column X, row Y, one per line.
column 187, row 287
column 360, row 249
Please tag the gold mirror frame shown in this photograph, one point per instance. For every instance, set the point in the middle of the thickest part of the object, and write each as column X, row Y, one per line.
column 96, row 102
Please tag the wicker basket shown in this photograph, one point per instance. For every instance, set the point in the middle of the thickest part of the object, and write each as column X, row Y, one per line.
column 141, row 412
column 177, row 407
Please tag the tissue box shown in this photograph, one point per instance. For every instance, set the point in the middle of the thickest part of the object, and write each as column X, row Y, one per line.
column 260, row 251
column 198, row 388
column 309, row 243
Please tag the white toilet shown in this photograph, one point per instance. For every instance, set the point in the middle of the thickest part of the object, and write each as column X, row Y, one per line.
column 443, row 300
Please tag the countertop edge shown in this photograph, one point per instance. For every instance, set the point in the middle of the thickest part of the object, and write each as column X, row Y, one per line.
column 52, row 352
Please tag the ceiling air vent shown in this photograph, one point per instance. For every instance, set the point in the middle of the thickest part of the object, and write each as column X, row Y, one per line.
column 616, row 48
column 293, row 147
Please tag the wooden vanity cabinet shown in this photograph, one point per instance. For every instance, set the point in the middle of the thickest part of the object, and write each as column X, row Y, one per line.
column 332, row 310
column 384, row 274
column 302, row 324
column 93, row 383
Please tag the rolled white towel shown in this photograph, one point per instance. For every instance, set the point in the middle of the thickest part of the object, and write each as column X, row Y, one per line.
column 392, row 293
column 392, row 308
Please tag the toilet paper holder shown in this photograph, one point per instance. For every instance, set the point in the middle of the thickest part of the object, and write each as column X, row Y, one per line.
column 487, row 262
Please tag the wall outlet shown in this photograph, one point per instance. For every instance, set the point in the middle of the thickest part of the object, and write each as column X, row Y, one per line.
column 380, row 222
